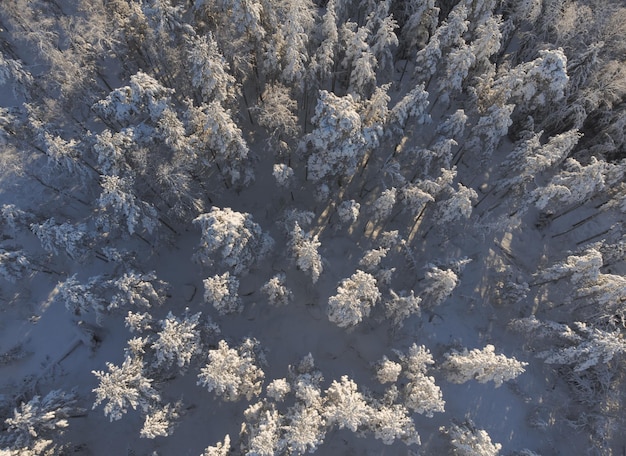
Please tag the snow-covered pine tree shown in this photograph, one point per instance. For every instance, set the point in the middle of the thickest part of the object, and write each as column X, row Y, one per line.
column 124, row 387
column 118, row 205
column 233, row 236
column 387, row 371
column 402, row 306
column 262, row 431
column 81, row 299
column 490, row 129
column 574, row 185
column 359, row 61
column 323, row 61
column 65, row 155
column 233, row 373
column 412, row 105
column 529, row 158
column 276, row 113
column 337, row 142
column 283, row 174
column 38, row 423
column 137, row 289
column 354, row 299
column 143, row 95
column 296, row 29
column 481, row 365
column 277, row 293
column 220, row 449
column 458, row 64
column 209, row 70
column 583, row 269
column 222, row 292
column 448, row 35
column 440, row 285
column 177, row 341
column 383, row 205
column 459, row 205
column 529, row 85
column 13, row 264
column 304, row 248
column 348, row 211
column 384, row 39
column 420, row 20
column 345, row 406
column 579, row 345
column 467, row 440
column 420, row 393
column 390, row 421
column 224, row 139
column 69, row 237
column 161, row 420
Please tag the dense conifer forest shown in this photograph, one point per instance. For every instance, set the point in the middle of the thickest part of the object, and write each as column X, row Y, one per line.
column 278, row 227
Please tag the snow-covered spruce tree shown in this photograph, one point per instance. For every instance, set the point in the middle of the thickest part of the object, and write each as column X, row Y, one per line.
column 304, row 248
column 177, row 341
column 124, row 387
column 481, row 365
column 221, row 291
column 233, row 373
column 69, row 237
column 232, row 236
column 13, row 264
column 402, row 306
column 420, row 393
column 354, row 299
column 118, row 205
column 467, row 440
column 439, row 286
column 277, row 293
column 36, row 424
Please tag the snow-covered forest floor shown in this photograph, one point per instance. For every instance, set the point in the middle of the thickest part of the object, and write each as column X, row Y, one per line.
column 257, row 227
